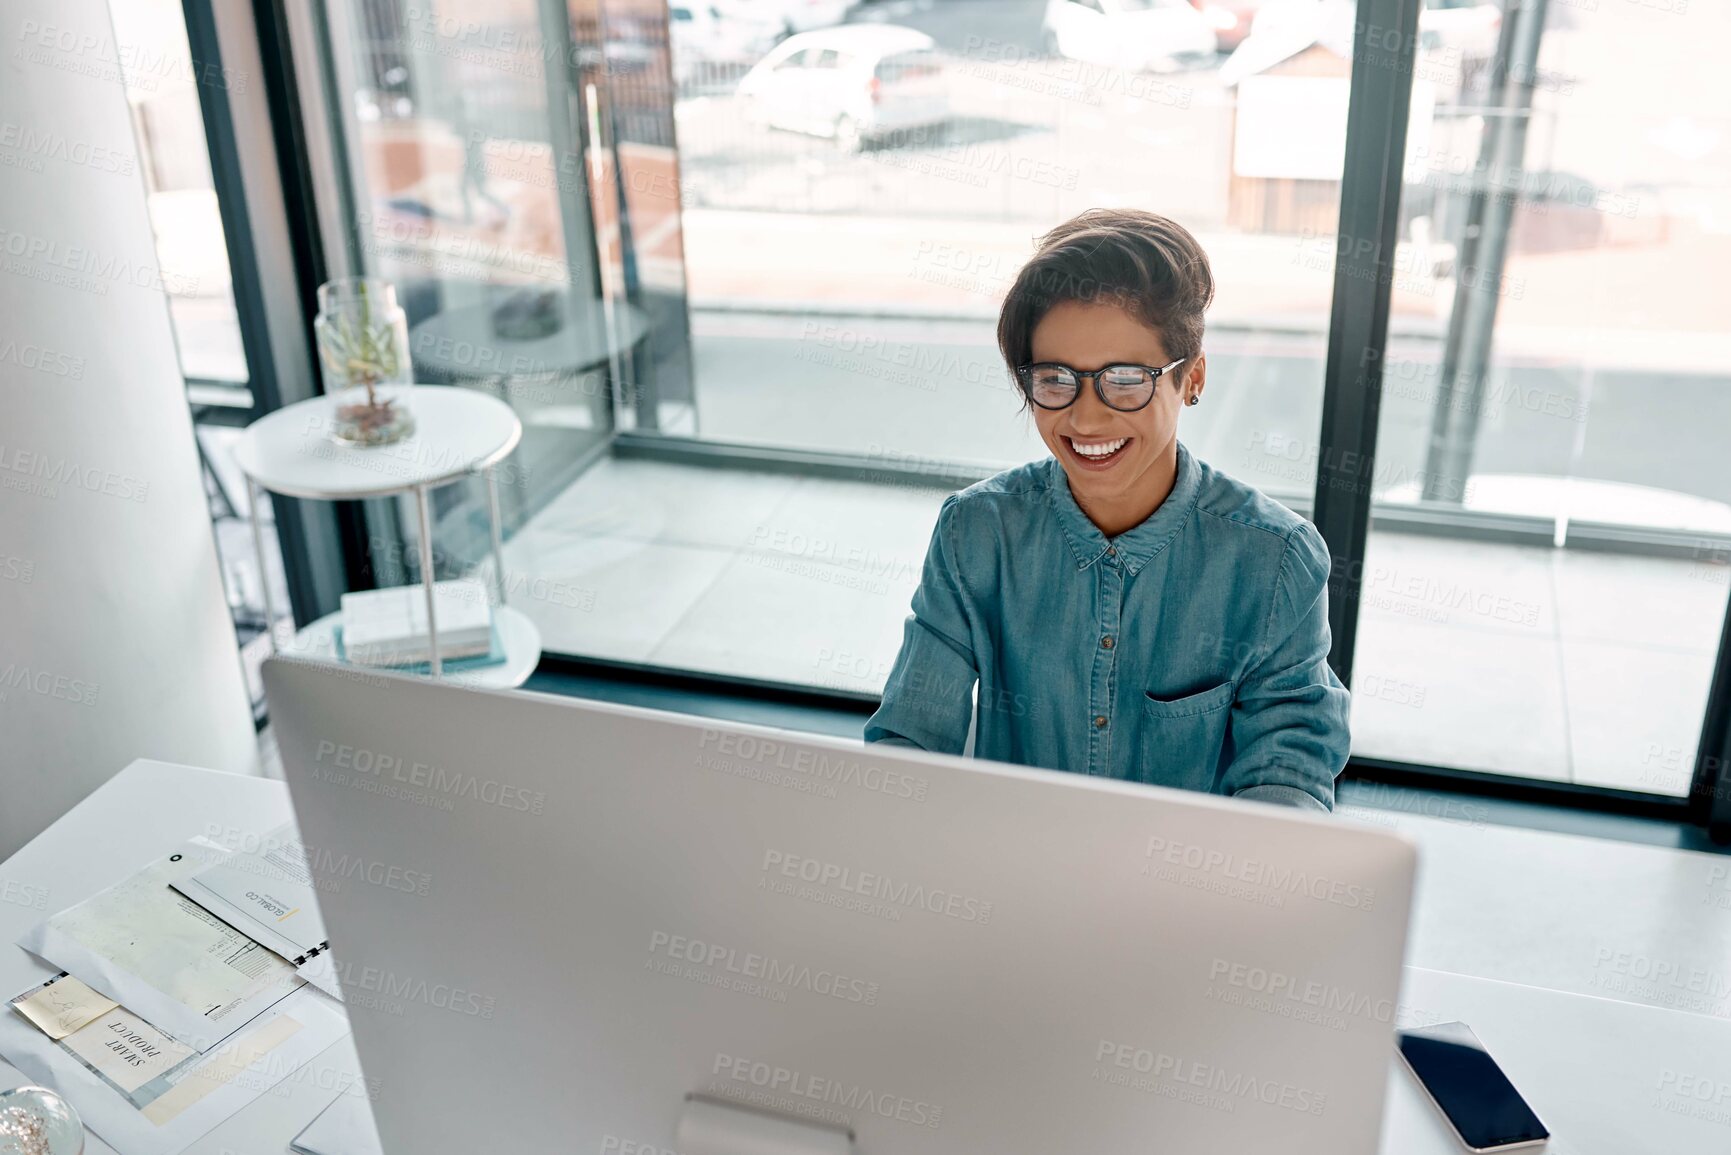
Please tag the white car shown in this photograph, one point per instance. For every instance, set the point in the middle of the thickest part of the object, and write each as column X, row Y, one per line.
column 856, row 83
column 1139, row 35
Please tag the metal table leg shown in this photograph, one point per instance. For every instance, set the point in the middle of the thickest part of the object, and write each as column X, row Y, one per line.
column 498, row 534
column 252, row 499
column 427, row 578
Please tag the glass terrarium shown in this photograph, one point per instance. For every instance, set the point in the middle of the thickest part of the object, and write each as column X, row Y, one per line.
column 363, row 342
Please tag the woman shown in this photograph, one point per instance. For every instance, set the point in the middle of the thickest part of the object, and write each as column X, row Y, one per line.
column 1126, row 610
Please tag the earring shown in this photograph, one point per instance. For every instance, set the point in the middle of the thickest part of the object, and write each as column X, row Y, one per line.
column 1192, row 399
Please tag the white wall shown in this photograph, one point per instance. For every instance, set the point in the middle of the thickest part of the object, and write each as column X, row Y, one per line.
column 115, row 641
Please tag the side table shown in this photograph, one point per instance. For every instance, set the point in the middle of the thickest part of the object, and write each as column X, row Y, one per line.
column 458, row 433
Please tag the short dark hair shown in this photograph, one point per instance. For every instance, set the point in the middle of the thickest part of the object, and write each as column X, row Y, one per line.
column 1146, row 264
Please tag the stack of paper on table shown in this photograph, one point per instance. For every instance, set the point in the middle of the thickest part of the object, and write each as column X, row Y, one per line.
column 164, row 957
column 165, row 1020
column 389, row 627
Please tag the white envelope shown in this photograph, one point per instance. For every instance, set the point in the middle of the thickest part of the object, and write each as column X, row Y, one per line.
column 163, row 957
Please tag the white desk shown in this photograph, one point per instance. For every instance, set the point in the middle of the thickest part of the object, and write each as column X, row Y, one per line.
column 1611, row 1078
column 1643, row 924
column 131, row 819
column 1608, row 1078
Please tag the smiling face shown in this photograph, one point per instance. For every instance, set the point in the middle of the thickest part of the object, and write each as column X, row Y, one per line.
column 1119, row 488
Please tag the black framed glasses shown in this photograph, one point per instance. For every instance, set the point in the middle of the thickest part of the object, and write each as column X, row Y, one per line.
column 1126, row 388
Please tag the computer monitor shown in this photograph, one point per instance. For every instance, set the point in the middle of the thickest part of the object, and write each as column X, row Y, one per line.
column 572, row 926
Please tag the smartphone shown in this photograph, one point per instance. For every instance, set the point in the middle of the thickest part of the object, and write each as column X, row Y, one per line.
column 1470, row 1089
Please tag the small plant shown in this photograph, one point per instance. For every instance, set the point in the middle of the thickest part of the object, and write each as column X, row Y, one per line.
column 361, row 344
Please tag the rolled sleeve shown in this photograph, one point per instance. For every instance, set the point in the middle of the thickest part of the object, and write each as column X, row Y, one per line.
column 928, row 697
column 1290, row 720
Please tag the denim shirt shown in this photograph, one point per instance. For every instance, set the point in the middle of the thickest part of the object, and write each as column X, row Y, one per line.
column 1188, row 651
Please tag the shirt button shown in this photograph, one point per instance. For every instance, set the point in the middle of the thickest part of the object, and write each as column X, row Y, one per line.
column 1100, row 721
column 1106, row 642
column 1111, row 551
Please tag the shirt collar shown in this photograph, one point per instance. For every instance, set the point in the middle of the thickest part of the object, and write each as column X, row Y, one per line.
column 1137, row 545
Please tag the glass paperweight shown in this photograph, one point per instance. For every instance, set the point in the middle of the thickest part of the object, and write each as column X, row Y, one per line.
column 36, row 1121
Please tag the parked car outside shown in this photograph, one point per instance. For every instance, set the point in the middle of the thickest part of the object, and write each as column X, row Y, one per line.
column 856, row 84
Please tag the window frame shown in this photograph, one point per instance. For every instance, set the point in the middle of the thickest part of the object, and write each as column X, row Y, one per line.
column 1340, row 505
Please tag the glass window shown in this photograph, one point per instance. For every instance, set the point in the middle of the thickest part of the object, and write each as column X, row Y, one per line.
column 909, row 66
column 843, row 249
column 164, row 95
column 792, row 282
column 162, row 90
column 462, row 128
column 1545, row 581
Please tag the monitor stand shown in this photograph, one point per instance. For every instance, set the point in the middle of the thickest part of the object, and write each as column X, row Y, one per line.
column 716, row 1127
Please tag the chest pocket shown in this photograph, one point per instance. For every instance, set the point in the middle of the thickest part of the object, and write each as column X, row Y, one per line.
column 1182, row 738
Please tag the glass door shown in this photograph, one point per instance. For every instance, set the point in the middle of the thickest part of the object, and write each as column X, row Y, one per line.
column 458, row 134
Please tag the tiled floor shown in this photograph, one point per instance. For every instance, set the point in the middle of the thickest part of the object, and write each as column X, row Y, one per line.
column 1562, row 664
column 770, row 576
column 1555, row 664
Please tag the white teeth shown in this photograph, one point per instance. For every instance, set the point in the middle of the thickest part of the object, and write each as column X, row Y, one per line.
column 1098, row 448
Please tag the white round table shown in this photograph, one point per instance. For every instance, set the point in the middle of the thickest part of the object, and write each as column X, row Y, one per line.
column 458, row 433
column 462, row 342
